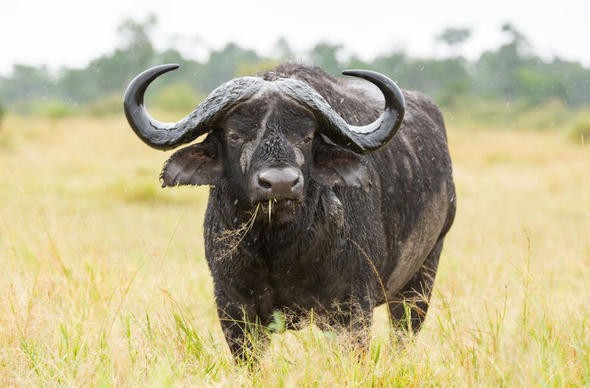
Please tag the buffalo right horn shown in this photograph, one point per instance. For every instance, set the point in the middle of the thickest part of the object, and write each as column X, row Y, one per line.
column 378, row 133
column 361, row 139
column 165, row 136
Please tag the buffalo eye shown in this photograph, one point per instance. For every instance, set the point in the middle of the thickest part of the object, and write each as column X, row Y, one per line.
column 234, row 137
column 308, row 138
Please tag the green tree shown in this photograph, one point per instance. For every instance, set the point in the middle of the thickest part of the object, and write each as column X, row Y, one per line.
column 282, row 50
column 573, row 81
column 394, row 64
column 26, row 83
column 223, row 65
column 443, row 79
column 135, row 39
column 454, row 38
column 509, row 72
column 111, row 72
column 325, row 55
column 497, row 72
column 514, row 72
column 518, row 40
column 178, row 97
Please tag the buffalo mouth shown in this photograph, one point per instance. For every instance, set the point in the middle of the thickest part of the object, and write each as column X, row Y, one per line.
column 278, row 211
column 277, row 193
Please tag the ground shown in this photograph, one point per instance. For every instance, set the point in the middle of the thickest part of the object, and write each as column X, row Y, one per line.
column 104, row 280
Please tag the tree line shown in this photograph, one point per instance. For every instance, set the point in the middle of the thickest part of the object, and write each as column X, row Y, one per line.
column 511, row 72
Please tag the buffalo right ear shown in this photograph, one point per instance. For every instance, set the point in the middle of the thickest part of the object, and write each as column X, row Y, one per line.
column 197, row 164
column 335, row 166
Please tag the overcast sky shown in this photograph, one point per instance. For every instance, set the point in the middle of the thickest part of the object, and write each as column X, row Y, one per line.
column 71, row 32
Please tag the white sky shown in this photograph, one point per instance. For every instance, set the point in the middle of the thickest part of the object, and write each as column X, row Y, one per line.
column 72, row 32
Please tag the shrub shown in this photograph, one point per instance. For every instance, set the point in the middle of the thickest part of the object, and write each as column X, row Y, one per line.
column 579, row 130
column 53, row 109
column 1, row 114
column 109, row 105
column 177, row 97
column 552, row 114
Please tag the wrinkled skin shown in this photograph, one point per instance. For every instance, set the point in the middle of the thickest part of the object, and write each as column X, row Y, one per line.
column 359, row 231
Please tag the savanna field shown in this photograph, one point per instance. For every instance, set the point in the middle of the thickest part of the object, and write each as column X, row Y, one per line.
column 104, row 280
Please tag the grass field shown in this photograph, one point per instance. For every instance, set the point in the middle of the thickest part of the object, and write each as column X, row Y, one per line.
column 104, row 281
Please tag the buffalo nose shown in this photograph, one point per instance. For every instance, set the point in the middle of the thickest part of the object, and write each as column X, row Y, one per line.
column 278, row 183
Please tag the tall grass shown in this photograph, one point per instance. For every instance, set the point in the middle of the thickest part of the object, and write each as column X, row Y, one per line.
column 104, row 280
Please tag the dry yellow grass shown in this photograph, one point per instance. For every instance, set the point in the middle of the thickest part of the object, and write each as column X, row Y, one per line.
column 104, row 281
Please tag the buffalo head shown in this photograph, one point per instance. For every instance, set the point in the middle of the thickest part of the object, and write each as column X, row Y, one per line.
column 268, row 141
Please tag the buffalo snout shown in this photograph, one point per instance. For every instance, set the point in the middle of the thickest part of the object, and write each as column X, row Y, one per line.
column 280, row 183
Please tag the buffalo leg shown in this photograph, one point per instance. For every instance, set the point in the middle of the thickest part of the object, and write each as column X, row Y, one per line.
column 353, row 320
column 408, row 308
column 243, row 332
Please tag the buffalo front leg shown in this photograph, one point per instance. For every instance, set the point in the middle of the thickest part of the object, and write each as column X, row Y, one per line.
column 351, row 321
column 408, row 309
column 243, row 331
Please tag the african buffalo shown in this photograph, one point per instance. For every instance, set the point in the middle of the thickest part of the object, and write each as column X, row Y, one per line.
column 327, row 195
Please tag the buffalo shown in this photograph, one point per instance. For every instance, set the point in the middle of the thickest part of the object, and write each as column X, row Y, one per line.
column 328, row 196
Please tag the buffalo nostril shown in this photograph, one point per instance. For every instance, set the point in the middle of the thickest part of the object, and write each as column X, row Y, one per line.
column 265, row 184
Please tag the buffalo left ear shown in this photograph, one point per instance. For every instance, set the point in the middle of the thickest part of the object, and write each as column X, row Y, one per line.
column 335, row 166
column 197, row 164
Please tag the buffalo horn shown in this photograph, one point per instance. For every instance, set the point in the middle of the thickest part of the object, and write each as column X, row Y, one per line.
column 165, row 136
column 361, row 139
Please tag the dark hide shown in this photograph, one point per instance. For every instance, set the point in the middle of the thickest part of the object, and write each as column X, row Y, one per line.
column 367, row 230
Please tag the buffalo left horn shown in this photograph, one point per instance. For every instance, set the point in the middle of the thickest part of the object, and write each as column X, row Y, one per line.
column 361, row 139
column 165, row 136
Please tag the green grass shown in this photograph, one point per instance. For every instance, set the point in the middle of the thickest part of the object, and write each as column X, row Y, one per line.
column 104, row 279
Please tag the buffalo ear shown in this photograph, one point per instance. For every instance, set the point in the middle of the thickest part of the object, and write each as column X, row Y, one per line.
column 197, row 164
column 336, row 166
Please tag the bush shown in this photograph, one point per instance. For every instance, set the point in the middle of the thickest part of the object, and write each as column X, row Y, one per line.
column 508, row 115
column 52, row 109
column 177, row 97
column 5, row 140
column 106, row 106
column 579, row 130
column 552, row 114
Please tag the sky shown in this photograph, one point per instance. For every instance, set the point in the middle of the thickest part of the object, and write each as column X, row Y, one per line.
column 70, row 33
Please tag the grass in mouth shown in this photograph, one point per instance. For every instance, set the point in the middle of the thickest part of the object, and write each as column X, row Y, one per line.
column 269, row 210
column 234, row 237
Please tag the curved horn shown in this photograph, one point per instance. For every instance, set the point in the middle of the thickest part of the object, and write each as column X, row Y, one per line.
column 363, row 139
column 165, row 136
column 375, row 135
